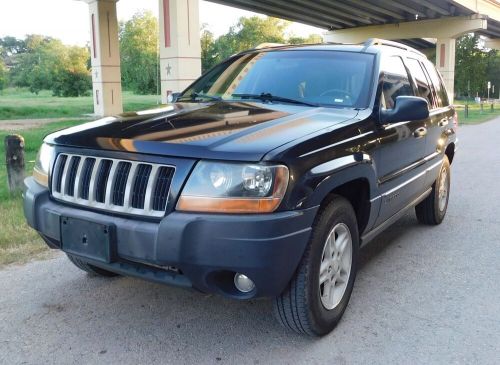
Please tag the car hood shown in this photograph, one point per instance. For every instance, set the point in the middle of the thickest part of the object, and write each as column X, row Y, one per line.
column 243, row 131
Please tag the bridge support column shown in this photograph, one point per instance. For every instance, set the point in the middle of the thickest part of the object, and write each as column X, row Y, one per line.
column 105, row 57
column 445, row 63
column 180, row 50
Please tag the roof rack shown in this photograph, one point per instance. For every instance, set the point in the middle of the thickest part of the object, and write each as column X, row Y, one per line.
column 382, row 42
column 270, row 45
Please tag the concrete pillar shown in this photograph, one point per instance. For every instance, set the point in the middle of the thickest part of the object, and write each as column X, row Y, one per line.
column 445, row 63
column 105, row 57
column 180, row 50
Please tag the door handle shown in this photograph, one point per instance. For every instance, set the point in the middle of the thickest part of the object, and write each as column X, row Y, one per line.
column 443, row 122
column 420, row 132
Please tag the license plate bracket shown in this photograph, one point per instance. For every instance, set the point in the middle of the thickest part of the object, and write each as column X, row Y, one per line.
column 88, row 239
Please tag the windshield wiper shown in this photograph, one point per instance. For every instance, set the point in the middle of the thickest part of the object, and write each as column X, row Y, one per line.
column 196, row 96
column 270, row 97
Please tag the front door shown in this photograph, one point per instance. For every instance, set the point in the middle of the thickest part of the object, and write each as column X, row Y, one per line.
column 402, row 146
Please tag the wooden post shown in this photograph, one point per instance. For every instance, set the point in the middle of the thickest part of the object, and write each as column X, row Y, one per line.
column 492, row 107
column 466, row 113
column 14, row 157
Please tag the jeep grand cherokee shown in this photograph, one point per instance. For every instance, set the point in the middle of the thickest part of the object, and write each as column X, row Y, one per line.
column 263, row 179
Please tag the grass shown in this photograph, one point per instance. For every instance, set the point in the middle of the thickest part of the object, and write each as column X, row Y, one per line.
column 475, row 114
column 18, row 103
column 18, row 242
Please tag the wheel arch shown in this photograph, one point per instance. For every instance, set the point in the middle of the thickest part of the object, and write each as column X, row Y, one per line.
column 450, row 151
column 357, row 183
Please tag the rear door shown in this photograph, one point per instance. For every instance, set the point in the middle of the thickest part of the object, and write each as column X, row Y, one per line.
column 440, row 120
column 400, row 156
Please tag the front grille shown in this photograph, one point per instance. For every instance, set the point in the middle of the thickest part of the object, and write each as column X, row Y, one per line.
column 121, row 186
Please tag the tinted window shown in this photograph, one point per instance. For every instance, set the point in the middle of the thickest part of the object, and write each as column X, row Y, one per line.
column 437, row 82
column 424, row 89
column 330, row 78
column 395, row 81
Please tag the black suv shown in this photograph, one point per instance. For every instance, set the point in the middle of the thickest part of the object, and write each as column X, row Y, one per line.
column 263, row 179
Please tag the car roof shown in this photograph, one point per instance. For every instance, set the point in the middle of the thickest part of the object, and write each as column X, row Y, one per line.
column 371, row 46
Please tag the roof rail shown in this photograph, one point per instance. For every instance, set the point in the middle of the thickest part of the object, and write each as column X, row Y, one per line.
column 270, row 45
column 382, row 42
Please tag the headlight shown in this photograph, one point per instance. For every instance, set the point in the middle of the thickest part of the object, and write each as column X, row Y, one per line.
column 234, row 188
column 42, row 164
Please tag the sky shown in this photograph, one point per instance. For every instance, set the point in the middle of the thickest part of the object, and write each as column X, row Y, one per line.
column 68, row 19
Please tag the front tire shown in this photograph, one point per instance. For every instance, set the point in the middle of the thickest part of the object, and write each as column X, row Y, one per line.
column 91, row 269
column 432, row 209
column 317, row 296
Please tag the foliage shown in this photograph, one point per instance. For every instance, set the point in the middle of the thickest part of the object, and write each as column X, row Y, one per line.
column 493, row 71
column 470, row 66
column 44, row 63
column 3, row 75
column 139, row 53
column 246, row 34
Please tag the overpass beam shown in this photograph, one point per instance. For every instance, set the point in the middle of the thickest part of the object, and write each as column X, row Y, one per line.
column 446, row 30
column 451, row 27
column 492, row 43
column 105, row 57
column 180, row 50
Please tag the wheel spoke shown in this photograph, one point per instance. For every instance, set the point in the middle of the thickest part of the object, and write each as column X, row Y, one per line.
column 324, row 276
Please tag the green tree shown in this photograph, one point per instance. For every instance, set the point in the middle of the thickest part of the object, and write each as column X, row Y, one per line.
column 3, row 75
column 139, row 53
column 311, row 39
column 48, row 64
column 470, row 66
column 248, row 33
column 493, row 71
column 207, row 49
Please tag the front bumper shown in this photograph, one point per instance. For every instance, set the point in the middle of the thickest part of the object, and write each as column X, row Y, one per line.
column 202, row 251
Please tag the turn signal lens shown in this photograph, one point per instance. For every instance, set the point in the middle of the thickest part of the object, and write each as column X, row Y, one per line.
column 42, row 164
column 234, row 188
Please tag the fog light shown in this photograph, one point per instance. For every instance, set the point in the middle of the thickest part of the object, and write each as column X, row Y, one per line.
column 243, row 283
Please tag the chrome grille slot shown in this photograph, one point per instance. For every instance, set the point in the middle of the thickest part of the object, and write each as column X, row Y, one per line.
column 162, row 187
column 140, row 185
column 88, row 166
column 71, row 176
column 122, row 186
column 102, row 180
column 120, row 182
column 58, row 173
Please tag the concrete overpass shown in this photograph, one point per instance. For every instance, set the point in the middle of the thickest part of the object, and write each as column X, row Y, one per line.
column 345, row 21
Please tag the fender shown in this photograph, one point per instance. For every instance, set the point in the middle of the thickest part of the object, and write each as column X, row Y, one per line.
column 321, row 180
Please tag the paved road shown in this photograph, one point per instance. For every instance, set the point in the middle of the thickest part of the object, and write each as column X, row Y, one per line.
column 423, row 295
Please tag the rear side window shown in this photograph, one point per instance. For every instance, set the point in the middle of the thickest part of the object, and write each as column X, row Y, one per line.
column 437, row 82
column 395, row 81
column 424, row 89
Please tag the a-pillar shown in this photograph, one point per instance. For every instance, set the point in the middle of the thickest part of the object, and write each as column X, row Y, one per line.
column 180, row 49
column 105, row 57
column 445, row 62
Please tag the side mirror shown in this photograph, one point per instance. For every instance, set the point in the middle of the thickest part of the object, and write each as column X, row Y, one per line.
column 405, row 108
column 172, row 98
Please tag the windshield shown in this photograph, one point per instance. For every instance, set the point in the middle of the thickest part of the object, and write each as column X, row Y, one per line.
column 327, row 78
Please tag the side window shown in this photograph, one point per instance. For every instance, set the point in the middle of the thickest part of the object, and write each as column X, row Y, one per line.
column 437, row 82
column 424, row 88
column 395, row 81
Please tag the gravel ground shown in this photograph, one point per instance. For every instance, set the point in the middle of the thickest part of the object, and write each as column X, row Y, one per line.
column 423, row 295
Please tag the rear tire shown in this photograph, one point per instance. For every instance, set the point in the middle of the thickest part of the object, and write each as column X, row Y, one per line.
column 432, row 209
column 91, row 269
column 317, row 296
